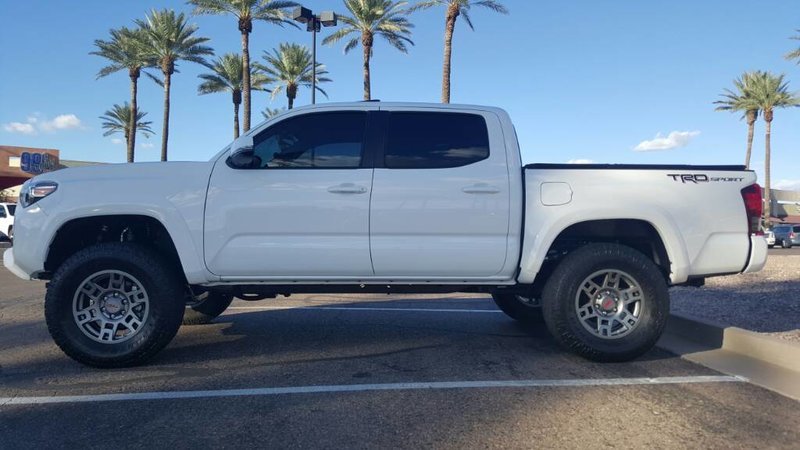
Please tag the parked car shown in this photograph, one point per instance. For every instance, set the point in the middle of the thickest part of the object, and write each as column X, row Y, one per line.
column 769, row 235
column 378, row 197
column 787, row 235
column 7, row 211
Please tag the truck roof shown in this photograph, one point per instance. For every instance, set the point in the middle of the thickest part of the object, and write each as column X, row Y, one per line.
column 420, row 105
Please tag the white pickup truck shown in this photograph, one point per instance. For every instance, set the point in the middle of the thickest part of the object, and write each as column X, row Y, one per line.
column 378, row 197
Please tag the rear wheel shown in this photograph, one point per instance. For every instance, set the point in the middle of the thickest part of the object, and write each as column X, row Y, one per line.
column 786, row 243
column 10, row 233
column 606, row 302
column 205, row 307
column 520, row 308
column 114, row 305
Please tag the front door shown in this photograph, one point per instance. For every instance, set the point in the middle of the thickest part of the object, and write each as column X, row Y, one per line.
column 301, row 211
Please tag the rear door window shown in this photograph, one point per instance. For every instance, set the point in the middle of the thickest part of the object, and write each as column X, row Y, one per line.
column 435, row 140
column 12, row 209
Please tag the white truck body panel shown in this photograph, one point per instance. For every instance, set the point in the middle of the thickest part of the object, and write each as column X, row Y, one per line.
column 701, row 237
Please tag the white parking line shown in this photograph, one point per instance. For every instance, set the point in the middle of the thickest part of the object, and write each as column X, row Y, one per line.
column 355, row 308
column 142, row 396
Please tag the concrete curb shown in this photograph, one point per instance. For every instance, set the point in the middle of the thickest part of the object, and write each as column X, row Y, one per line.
column 767, row 361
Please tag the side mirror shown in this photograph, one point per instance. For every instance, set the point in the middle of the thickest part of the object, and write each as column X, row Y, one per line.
column 241, row 154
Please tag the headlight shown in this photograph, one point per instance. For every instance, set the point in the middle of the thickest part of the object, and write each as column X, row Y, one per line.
column 36, row 191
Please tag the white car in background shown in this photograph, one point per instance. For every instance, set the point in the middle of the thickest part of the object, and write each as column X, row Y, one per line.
column 7, row 211
column 770, row 237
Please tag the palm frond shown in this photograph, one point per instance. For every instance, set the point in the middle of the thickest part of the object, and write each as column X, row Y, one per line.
column 117, row 120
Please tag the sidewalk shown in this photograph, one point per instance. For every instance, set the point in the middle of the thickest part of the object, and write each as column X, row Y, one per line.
column 746, row 325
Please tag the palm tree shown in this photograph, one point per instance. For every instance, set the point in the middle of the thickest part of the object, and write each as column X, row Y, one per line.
column 245, row 11
column 126, row 50
column 171, row 39
column 289, row 67
column 796, row 53
column 770, row 92
column 456, row 8
column 741, row 100
column 385, row 18
column 269, row 113
column 118, row 119
column 227, row 77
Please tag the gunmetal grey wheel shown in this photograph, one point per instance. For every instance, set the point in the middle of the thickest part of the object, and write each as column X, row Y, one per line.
column 114, row 304
column 606, row 302
column 110, row 306
column 609, row 303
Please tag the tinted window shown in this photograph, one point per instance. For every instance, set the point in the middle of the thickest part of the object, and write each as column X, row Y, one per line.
column 435, row 140
column 12, row 209
column 796, row 229
column 2, row 212
column 326, row 140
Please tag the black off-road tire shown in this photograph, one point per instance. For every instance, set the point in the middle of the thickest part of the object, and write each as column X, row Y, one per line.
column 560, row 311
column 204, row 308
column 513, row 307
column 160, row 280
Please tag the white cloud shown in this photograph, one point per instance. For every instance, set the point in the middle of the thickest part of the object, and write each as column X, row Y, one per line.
column 147, row 145
column 19, row 127
column 580, row 161
column 676, row 139
column 36, row 123
column 116, row 141
column 61, row 122
column 787, row 185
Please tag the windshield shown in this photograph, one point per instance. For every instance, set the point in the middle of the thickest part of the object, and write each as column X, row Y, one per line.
column 11, row 209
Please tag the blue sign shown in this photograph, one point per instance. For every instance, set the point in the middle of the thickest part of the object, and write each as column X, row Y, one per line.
column 37, row 163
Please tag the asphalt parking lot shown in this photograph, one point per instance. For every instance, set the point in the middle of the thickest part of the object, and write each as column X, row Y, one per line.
column 368, row 372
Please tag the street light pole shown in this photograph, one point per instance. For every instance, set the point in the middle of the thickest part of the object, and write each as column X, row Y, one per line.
column 314, row 24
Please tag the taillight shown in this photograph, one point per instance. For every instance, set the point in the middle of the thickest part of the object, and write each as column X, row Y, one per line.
column 753, row 206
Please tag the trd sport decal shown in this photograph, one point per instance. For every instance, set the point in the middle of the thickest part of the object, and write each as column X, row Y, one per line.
column 702, row 178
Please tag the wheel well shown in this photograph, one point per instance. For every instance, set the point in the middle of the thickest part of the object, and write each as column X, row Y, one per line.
column 637, row 234
column 78, row 234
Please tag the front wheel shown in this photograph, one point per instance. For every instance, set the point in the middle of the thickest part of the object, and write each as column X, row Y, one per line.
column 606, row 302
column 114, row 305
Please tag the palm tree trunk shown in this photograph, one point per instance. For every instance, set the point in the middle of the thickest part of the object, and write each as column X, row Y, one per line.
column 246, row 78
column 449, row 28
column 132, row 120
column 291, row 101
column 235, row 120
column 767, row 174
column 366, row 42
column 750, row 131
column 165, row 127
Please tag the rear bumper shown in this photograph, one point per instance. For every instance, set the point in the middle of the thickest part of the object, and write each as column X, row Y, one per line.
column 758, row 254
column 8, row 262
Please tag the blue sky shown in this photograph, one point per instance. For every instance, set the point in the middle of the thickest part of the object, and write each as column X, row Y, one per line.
column 583, row 80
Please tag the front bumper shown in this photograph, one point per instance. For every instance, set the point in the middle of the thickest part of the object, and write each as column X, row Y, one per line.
column 8, row 262
column 758, row 254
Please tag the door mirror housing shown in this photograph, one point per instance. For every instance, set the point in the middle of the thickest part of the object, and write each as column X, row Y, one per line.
column 241, row 155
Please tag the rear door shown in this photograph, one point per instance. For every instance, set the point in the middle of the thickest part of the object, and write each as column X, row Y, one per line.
column 303, row 212
column 440, row 202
